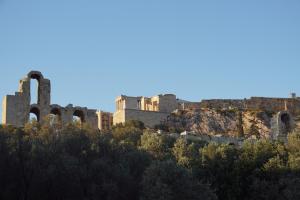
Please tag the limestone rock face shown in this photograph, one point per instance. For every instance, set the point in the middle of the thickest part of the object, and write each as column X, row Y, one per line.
column 224, row 122
column 257, row 123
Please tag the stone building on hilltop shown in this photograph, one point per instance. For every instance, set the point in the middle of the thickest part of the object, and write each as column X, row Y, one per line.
column 152, row 111
column 268, row 117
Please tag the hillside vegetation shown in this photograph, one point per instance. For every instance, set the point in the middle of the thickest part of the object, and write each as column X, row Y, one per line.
column 132, row 163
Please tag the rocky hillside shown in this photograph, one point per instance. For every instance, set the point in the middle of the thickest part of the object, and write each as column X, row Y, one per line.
column 225, row 122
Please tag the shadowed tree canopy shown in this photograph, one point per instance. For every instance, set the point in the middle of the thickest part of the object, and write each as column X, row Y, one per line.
column 53, row 162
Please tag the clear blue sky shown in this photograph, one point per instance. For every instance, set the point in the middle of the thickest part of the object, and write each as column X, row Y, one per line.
column 95, row 50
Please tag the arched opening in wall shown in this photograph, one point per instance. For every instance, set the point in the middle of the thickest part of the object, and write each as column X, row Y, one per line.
column 55, row 116
column 78, row 117
column 34, row 88
column 286, row 121
column 34, row 114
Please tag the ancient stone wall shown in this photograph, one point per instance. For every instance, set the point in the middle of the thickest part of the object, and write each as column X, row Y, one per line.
column 223, row 103
column 17, row 108
column 161, row 103
column 148, row 110
column 126, row 102
column 149, row 118
column 190, row 106
column 105, row 121
column 274, row 104
column 167, row 103
column 12, row 112
column 254, row 103
column 119, row 117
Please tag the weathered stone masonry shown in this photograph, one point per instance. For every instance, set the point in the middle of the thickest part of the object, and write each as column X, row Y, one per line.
column 17, row 108
column 152, row 111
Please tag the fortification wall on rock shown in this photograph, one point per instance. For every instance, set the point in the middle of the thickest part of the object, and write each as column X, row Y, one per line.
column 254, row 103
column 223, row 103
column 274, row 104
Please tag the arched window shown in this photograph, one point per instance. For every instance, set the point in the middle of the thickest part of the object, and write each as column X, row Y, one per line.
column 34, row 91
column 78, row 116
column 55, row 116
column 34, row 88
column 34, row 114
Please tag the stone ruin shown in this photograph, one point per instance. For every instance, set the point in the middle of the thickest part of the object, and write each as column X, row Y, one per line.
column 152, row 111
column 156, row 110
column 16, row 109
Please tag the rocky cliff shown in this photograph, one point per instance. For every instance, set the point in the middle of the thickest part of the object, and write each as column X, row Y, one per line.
column 225, row 122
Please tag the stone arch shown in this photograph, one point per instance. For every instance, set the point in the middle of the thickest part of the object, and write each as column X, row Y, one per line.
column 38, row 76
column 285, row 123
column 56, row 113
column 36, row 111
column 35, row 75
column 80, row 114
column 56, row 109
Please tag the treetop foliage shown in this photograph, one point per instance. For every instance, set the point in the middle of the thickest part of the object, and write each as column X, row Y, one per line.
column 75, row 162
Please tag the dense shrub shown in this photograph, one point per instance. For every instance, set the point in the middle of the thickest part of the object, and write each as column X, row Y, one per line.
column 131, row 162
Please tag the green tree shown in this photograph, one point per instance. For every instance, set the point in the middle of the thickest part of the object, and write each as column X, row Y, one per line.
column 129, row 133
column 293, row 146
column 159, row 146
column 186, row 155
column 167, row 181
column 219, row 167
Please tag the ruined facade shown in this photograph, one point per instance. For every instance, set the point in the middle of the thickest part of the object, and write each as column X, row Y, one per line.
column 17, row 108
column 152, row 111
